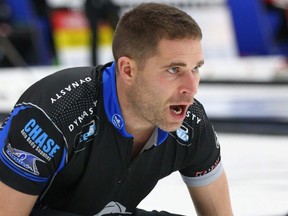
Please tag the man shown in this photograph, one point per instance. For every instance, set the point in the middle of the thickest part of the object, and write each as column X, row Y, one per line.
column 95, row 141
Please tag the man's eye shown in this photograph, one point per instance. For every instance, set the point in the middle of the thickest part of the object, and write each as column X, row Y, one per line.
column 195, row 70
column 173, row 69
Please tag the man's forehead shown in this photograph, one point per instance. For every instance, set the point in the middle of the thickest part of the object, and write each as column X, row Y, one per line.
column 180, row 47
column 181, row 51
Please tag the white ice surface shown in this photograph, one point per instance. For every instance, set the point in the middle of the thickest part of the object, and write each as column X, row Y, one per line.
column 257, row 171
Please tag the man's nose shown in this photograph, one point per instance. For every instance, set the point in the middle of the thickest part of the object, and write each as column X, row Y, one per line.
column 190, row 83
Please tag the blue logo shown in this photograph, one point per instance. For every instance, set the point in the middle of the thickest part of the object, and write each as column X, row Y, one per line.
column 36, row 136
column 182, row 133
column 86, row 135
column 92, row 129
column 26, row 160
column 117, row 121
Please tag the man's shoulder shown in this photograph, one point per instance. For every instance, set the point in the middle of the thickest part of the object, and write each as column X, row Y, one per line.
column 196, row 116
column 71, row 76
column 63, row 90
column 195, row 109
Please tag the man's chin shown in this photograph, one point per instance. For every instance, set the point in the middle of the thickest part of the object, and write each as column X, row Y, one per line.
column 171, row 127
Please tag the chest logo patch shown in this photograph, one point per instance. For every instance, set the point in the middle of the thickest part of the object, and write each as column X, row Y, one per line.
column 117, row 121
column 114, row 208
column 184, row 134
column 87, row 134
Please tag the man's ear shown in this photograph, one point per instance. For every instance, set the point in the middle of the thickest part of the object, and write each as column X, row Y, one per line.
column 126, row 69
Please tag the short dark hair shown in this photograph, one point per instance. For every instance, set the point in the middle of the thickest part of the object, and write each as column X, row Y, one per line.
column 140, row 30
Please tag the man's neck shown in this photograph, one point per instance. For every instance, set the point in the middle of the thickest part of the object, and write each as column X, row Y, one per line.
column 134, row 125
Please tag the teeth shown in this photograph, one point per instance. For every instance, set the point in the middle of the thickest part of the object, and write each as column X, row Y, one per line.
column 177, row 110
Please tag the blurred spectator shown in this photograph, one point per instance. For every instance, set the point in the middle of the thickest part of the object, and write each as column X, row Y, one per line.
column 25, row 33
column 43, row 12
column 5, row 12
column 98, row 11
column 8, row 54
column 281, row 37
column 281, row 8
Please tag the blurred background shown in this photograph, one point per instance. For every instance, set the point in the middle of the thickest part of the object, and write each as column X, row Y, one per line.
column 244, row 82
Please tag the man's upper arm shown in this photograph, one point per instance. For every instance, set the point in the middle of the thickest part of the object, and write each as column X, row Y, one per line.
column 31, row 150
column 204, row 174
column 15, row 203
column 212, row 199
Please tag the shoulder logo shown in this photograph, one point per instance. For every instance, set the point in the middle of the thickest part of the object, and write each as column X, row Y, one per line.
column 38, row 139
column 24, row 160
column 117, row 121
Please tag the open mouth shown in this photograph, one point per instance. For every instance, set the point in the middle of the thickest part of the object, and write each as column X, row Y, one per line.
column 177, row 109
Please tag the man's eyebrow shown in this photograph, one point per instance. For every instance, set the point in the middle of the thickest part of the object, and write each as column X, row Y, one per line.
column 200, row 63
column 181, row 64
column 176, row 64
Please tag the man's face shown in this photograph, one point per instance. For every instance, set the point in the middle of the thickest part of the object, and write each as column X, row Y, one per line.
column 163, row 90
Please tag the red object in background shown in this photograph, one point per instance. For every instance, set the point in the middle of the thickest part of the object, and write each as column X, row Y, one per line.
column 70, row 28
column 68, row 19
